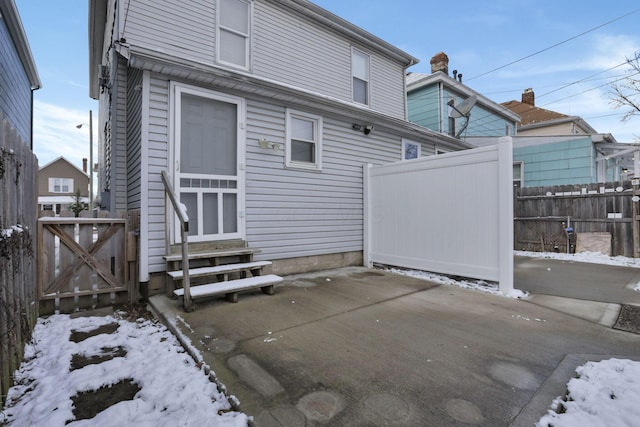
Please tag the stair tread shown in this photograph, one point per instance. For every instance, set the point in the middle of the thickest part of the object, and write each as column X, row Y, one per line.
column 230, row 286
column 218, row 269
column 211, row 254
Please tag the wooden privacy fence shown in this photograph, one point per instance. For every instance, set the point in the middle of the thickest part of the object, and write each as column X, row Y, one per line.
column 542, row 215
column 18, row 296
column 450, row 214
column 82, row 263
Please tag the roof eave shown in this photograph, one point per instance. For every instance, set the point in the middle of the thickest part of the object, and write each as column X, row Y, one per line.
column 149, row 59
column 348, row 29
column 97, row 18
column 440, row 76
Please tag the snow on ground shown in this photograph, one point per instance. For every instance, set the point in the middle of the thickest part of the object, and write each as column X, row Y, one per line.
column 590, row 257
column 174, row 391
column 604, row 394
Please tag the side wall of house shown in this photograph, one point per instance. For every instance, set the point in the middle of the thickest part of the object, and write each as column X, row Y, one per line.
column 289, row 212
column 286, row 47
column 424, row 108
column 134, row 156
column 558, row 163
column 15, row 89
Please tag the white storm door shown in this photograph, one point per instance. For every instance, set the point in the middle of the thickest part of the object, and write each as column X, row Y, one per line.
column 208, row 180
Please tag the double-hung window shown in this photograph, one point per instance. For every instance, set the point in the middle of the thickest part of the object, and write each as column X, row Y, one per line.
column 234, row 32
column 304, row 140
column 60, row 185
column 360, row 73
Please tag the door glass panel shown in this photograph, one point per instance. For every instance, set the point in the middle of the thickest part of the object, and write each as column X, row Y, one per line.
column 208, row 136
column 229, row 213
column 210, row 212
column 190, row 200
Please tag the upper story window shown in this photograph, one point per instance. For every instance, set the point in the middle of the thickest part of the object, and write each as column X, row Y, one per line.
column 234, row 32
column 410, row 149
column 304, row 140
column 61, row 185
column 360, row 62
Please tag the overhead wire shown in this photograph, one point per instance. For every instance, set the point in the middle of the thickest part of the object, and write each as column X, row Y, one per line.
column 555, row 45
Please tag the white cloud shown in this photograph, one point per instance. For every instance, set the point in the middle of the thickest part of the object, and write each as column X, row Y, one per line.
column 55, row 134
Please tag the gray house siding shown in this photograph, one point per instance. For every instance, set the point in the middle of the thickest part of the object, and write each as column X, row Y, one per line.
column 289, row 212
column 15, row 88
column 286, row 47
column 183, row 29
column 134, row 154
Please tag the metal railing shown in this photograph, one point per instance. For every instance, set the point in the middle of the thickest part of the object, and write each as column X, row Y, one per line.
column 181, row 214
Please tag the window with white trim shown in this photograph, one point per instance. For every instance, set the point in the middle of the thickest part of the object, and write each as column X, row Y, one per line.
column 360, row 62
column 304, row 140
column 234, row 32
column 518, row 174
column 61, row 185
column 410, row 149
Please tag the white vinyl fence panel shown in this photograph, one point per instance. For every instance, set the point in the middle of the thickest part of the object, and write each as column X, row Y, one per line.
column 450, row 214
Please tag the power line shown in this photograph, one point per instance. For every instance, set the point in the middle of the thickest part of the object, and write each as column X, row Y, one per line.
column 555, row 45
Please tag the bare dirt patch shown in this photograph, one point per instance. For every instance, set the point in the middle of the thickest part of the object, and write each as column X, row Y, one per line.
column 629, row 319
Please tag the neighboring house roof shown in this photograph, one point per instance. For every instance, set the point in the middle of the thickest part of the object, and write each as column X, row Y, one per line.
column 532, row 117
column 10, row 15
column 66, row 161
column 416, row 81
column 98, row 18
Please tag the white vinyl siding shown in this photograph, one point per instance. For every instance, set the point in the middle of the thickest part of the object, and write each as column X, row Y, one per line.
column 234, row 32
column 304, row 140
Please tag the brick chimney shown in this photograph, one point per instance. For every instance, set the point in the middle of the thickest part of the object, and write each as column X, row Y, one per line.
column 84, row 165
column 528, row 97
column 440, row 62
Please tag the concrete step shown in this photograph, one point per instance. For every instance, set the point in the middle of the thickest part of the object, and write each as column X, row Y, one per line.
column 232, row 287
column 220, row 269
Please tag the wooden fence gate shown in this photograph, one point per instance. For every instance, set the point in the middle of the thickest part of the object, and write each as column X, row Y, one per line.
column 82, row 264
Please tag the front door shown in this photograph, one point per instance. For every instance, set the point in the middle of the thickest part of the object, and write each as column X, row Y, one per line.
column 207, row 150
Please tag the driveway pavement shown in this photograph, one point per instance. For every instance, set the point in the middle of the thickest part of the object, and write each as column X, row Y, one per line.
column 358, row 347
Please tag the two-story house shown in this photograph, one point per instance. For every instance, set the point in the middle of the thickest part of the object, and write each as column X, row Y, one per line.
column 58, row 180
column 262, row 113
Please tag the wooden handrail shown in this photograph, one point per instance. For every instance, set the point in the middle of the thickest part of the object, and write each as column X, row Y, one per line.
column 181, row 213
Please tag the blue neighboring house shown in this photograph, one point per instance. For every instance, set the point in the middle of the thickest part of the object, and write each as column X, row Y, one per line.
column 432, row 98
column 549, row 148
column 552, row 148
column 18, row 73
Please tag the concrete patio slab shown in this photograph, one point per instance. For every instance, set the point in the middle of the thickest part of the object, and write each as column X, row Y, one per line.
column 359, row 347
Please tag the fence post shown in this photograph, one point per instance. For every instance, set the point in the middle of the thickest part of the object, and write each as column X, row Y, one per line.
column 636, row 225
column 366, row 213
column 505, row 213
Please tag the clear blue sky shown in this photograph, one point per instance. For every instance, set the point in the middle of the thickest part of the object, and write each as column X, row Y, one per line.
column 477, row 36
